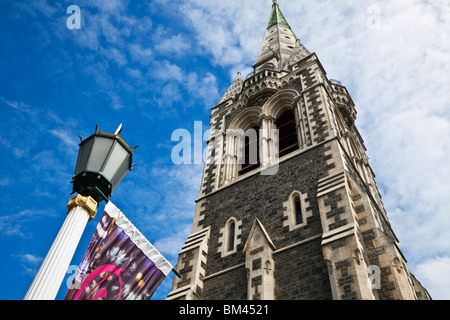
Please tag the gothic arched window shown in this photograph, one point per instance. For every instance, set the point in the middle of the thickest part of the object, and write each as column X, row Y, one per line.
column 250, row 151
column 287, row 134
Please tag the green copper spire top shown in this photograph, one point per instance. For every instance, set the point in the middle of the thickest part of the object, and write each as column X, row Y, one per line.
column 276, row 17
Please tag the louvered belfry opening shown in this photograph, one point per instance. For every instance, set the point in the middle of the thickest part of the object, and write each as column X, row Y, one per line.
column 288, row 140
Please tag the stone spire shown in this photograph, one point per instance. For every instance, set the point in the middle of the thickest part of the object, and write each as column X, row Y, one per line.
column 279, row 42
column 234, row 89
column 276, row 16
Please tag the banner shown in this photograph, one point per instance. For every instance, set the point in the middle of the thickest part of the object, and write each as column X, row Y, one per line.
column 119, row 264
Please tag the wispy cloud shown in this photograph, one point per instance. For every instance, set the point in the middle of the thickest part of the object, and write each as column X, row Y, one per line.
column 29, row 263
column 204, row 87
column 140, row 54
column 114, row 55
column 20, row 106
column 66, row 137
column 230, row 31
column 433, row 274
column 175, row 45
column 18, row 224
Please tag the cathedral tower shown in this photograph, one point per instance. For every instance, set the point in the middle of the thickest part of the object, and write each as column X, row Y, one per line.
column 288, row 206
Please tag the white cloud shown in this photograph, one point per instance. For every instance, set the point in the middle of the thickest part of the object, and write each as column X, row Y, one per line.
column 110, row 6
column 179, row 186
column 434, row 274
column 134, row 73
column 204, row 87
column 29, row 258
column 169, row 95
column 175, row 44
column 165, row 71
column 39, row 6
column 88, row 38
column 19, row 223
column 17, row 152
column 173, row 242
column 6, row 181
column 50, row 167
column 140, row 54
column 18, row 105
column 199, row 86
column 230, row 31
column 114, row 55
column 38, row 120
column 66, row 137
column 29, row 262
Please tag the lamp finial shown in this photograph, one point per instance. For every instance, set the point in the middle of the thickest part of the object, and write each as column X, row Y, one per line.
column 119, row 129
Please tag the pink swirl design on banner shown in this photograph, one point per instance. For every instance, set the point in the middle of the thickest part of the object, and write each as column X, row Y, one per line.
column 102, row 293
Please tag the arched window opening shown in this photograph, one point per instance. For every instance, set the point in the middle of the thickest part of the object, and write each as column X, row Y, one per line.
column 231, row 234
column 251, row 151
column 298, row 210
column 287, row 134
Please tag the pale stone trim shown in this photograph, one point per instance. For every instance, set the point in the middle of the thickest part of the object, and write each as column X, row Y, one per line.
column 290, row 211
column 225, row 237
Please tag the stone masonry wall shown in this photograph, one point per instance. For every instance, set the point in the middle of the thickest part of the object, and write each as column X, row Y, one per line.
column 301, row 273
column 298, row 270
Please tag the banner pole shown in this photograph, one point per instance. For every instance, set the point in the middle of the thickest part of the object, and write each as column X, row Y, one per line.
column 177, row 273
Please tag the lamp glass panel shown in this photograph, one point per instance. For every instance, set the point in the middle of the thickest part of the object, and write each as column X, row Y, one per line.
column 118, row 155
column 99, row 153
column 85, row 149
column 121, row 173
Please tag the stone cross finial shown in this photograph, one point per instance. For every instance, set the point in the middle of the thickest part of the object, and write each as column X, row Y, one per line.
column 268, row 267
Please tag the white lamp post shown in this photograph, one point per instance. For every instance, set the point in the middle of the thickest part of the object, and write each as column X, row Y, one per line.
column 103, row 161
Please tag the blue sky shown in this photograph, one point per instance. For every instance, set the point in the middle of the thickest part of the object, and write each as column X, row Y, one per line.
column 157, row 66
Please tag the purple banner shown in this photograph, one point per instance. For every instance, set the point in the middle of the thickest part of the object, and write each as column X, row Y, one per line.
column 119, row 264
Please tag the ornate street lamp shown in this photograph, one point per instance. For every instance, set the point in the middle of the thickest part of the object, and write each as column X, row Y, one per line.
column 103, row 161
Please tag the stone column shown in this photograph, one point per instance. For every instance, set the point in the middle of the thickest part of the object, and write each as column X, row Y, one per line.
column 48, row 280
column 268, row 139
